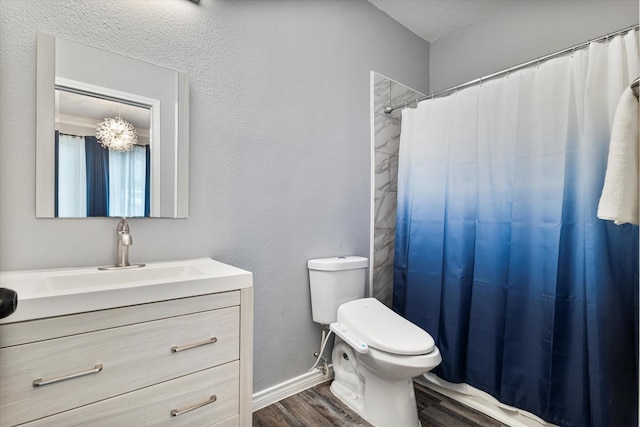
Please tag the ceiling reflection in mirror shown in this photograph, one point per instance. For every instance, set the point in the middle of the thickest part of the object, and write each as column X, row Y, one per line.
column 79, row 114
column 112, row 135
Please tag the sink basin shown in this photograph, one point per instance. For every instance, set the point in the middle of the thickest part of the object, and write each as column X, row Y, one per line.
column 46, row 293
column 99, row 278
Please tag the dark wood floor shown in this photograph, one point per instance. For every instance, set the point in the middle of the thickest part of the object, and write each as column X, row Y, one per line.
column 317, row 407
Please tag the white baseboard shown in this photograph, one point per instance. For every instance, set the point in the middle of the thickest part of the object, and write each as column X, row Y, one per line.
column 483, row 402
column 288, row 388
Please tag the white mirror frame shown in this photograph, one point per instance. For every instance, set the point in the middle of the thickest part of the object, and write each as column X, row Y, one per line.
column 165, row 202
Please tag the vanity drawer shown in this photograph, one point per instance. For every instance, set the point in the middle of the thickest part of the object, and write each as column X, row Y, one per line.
column 130, row 357
column 57, row 327
column 152, row 406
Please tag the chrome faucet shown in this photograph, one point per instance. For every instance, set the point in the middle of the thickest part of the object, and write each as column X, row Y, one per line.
column 123, row 241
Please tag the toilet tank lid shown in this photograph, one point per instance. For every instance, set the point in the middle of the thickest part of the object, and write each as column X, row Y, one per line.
column 338, row 263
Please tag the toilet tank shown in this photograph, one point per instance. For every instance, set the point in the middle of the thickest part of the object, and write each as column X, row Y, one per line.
column 333, row 282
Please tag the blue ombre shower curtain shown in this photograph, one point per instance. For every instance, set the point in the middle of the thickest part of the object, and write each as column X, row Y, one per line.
column 499, row 253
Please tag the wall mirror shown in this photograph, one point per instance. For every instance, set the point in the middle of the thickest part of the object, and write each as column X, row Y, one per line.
column 112, row 134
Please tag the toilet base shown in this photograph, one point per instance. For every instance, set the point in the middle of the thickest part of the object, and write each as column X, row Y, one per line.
column 381, row 402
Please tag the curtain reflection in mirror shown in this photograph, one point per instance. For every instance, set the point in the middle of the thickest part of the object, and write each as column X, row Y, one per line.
column 98, row 185
column 71, row 176
column 127, row 182
column 93, row 181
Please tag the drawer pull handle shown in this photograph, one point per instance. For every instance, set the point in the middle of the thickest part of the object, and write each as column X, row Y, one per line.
column 40, row 382
column 176, row 412
column 176, row 348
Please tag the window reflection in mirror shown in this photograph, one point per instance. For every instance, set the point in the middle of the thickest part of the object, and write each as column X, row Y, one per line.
column 92, row 180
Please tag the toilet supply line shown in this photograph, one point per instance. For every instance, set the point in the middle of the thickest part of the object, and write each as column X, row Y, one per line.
column 322, row 347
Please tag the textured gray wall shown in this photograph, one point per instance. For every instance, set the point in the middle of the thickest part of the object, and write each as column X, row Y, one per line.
column 280, row 142
column 525, row 31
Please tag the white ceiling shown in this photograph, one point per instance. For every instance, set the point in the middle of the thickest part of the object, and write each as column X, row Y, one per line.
column 432, row 19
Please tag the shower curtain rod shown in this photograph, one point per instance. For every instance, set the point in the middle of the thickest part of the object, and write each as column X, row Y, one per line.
column 506, row 71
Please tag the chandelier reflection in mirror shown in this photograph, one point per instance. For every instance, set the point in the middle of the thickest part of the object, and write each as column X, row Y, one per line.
column 116, row 134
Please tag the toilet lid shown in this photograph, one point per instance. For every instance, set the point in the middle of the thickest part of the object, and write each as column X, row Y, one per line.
column 383, row 329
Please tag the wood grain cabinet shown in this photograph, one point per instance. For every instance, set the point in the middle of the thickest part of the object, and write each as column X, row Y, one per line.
column 184, row 362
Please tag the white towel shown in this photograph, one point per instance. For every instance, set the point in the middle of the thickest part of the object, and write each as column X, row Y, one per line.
column 619, row 199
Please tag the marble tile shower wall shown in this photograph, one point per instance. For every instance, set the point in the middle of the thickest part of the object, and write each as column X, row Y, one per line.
column 386, row 143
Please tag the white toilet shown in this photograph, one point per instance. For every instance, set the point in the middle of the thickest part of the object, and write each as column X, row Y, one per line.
column 378, row 353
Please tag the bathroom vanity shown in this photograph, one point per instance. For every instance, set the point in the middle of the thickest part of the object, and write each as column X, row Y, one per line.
column 170, row 342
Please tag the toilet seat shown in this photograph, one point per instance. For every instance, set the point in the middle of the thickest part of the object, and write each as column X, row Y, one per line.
column 383, row 329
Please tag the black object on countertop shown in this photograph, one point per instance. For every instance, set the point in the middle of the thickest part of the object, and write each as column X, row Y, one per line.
column 8, row 302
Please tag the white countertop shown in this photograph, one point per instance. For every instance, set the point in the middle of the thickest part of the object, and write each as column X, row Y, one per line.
column 57, row 292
